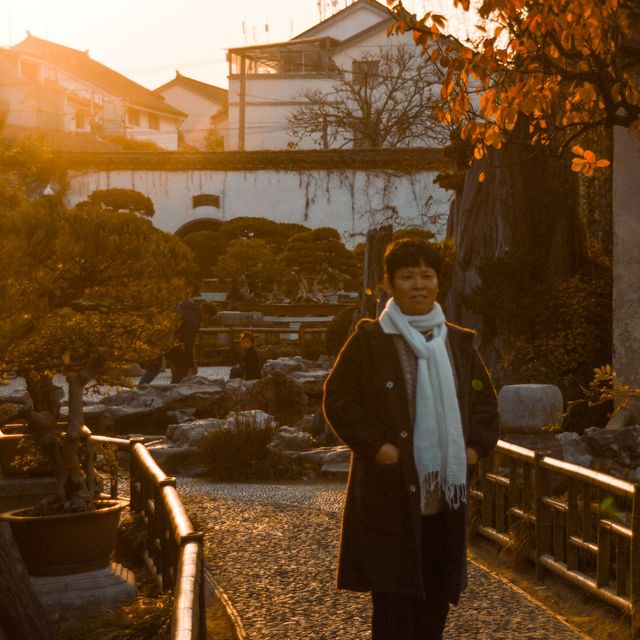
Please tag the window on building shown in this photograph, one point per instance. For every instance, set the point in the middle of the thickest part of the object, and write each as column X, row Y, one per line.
column 363, row 70
column 206, row 200
column 82, row 120
column 154, row 121
column 133, row 117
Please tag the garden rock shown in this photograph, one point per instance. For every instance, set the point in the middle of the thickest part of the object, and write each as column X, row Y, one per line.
column 621, row 445
column 192, row 433
column 178, row 417
column 336, row 462
column 574, row 449
column 290, row 439
column 156, row 406
column 173, row 460
column 305, row 423
column 312, row 381
column 278, row 395
column 286, row 365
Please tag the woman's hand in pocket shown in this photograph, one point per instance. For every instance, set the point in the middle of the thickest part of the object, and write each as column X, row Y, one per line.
column 388, row 454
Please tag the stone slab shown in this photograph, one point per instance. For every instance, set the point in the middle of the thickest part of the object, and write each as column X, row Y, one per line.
column 527, row 408
column 74, row 596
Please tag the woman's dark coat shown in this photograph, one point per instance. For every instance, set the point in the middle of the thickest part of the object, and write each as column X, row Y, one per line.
column 365, row 402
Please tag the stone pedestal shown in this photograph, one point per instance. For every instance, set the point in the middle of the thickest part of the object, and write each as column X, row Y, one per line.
column 74, row 596
column 525, row 410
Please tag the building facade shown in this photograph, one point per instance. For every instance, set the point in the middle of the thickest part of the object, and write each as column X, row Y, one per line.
column 268, row 82
column 206, row 108
column 66, row 90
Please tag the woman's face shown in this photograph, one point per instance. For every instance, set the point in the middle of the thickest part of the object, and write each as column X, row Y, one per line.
column 414, row 289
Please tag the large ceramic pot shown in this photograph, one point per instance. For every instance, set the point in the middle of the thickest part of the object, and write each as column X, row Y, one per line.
column 66, row 543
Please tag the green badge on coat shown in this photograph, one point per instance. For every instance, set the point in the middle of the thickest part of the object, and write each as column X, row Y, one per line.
column 477, row 384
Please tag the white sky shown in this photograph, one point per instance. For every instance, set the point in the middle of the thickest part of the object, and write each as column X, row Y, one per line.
column 147, row 40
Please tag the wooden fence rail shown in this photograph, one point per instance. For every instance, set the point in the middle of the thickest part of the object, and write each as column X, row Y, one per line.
column 175, row 550
column 579, row 524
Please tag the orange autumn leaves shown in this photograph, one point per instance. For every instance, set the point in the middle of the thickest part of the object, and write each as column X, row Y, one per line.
column 586, row 162
column 548, row 71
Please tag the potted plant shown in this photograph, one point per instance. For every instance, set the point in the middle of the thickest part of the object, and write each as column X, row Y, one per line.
column 83, row 293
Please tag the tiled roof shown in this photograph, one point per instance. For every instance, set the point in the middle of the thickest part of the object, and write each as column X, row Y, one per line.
column 82, row 66
column 210, row 91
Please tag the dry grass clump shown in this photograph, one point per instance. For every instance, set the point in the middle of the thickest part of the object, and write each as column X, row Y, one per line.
column 148, row 618
column 240, row 452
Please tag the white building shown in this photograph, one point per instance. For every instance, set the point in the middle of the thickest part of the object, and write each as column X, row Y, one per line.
column 204, row 104
column 266, row 82
column 66, row 90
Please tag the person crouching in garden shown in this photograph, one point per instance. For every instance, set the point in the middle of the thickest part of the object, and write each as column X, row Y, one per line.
column 250, row 367
column 411, row 397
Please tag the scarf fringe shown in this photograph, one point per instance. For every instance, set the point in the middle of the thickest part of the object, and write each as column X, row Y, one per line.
column 454, row 494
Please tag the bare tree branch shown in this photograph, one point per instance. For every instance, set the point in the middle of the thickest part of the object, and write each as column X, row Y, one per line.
column 385, row 100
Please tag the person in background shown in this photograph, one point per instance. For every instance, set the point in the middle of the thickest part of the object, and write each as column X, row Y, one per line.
column 181, row 356
column 411, row 397
column 250, row 367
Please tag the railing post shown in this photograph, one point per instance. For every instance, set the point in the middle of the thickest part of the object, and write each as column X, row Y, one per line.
column 135, row 478
column 634, row 586
column 542, row 520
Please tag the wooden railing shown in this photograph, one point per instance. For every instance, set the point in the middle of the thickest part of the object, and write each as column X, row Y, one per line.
column 579, row 524
column 215, row 343
column 175, row 550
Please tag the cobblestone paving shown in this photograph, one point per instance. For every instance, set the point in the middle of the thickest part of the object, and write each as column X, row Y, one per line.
column 273, row 549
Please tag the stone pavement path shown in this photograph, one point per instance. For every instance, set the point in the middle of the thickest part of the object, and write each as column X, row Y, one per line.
column 273, row 549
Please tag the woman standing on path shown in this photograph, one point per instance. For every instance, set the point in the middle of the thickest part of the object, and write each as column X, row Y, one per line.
column 411, row 397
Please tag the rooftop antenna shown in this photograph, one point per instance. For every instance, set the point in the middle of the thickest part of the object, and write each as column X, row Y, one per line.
column 244, row 31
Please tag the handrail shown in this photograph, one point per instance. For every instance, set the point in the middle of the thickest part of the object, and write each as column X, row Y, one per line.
column 580, row 524
column 175, row 549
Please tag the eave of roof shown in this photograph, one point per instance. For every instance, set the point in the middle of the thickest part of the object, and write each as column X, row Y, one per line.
column 371, row 3
column 80, row 64
column 210, row 91
column 286, row 43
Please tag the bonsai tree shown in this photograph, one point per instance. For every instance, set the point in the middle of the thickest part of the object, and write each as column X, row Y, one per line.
column 82, row 293
column 120, row 200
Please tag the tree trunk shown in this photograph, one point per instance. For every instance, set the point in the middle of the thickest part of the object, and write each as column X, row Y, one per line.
column 44, row 394
column 21, row 613
column 377, row 240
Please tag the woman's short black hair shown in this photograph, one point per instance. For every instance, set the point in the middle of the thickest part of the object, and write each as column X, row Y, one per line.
column 410, row 252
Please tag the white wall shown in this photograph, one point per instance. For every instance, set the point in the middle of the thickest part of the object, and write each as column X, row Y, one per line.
column 347, row 24
column 350, row 201
column 199, row 109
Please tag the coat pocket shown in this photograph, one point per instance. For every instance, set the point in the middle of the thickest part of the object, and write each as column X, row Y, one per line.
column 384, row 504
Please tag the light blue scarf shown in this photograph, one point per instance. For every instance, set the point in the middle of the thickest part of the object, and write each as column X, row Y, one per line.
column 438, row 441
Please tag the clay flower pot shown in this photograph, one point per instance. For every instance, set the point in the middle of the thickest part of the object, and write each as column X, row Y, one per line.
column 66, row 543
